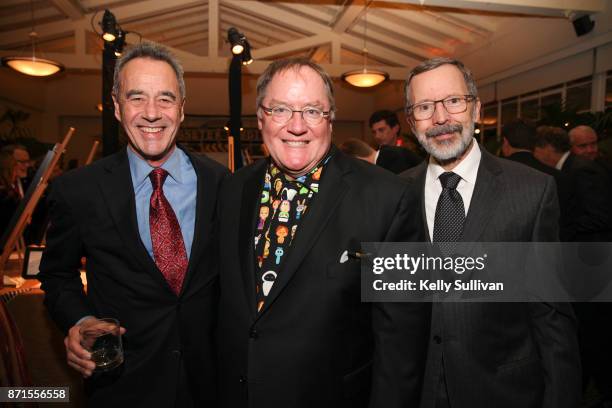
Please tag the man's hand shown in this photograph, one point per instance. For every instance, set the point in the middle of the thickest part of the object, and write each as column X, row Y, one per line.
column 76, row 355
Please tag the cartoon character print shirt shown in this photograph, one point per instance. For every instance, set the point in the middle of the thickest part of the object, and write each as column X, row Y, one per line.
column 284, row 202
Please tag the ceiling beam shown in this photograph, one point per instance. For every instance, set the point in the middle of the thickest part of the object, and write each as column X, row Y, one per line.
column 291, row 46
column 405, row 31
column 175, row 19
column 162, row 31
column 433, row 22
column 348, row 17
column 254, row 25
column 554, row 8
column 213, row 28
column 24, row 19
column 69, row 8
column 132, row 11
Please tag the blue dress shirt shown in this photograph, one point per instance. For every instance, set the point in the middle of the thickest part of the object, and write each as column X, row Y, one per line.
column 180, row 188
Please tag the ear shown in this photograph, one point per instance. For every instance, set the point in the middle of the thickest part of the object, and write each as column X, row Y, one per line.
column 183, row 110
column 396, row 129
column 259, row 119
column 476, row 116
column 117, row 109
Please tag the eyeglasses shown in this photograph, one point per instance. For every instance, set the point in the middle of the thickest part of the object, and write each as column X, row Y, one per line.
column 283, row 114
column 452, row 104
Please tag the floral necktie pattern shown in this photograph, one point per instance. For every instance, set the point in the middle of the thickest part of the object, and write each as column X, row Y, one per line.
column 283, row 205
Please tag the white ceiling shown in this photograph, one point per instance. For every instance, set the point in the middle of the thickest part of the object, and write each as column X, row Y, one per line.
column 400, row 33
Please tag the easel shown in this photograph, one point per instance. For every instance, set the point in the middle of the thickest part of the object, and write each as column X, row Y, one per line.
column 230, row 153
column 92, row 152
column 13, row 239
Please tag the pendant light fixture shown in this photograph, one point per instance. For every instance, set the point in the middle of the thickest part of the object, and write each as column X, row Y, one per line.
column 365, row 78
column 32, row 65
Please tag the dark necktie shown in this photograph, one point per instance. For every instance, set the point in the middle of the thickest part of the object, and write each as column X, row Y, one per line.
column 450, row 213
column 168, row 246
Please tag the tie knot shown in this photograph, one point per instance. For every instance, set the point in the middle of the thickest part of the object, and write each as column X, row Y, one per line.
column 158, row 176
column 449, row 180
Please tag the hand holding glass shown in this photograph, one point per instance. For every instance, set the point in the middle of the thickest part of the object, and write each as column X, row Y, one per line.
column 102, row 338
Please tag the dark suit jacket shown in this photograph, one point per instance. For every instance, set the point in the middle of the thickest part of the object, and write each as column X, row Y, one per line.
column 93, row 215
column 565, row 192
column 312, row 344
column 592, row 215
column 504, row 354
column 397, row 159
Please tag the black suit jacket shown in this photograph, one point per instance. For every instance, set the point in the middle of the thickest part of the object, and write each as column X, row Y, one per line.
column 565, row 192
column 397, row 159
column 504, row 354
column 592, row 216
column 93, row 215
column 312, row 344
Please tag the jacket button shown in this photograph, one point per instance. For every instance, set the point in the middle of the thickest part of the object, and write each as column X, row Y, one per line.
column 253, row 333
column 437, row 339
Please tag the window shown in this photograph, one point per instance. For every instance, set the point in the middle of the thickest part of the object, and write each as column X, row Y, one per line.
column 609, row 91
column 530, row 109
column 578, row 98
column 509, row 111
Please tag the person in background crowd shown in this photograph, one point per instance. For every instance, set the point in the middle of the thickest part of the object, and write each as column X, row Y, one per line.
column 394, row 159
column 592, row 222
column 22, row 164
column 145, row 219
column 9, row 195
column 385, row 128
column 583, row 141
column 483, row 355
column 519, row 138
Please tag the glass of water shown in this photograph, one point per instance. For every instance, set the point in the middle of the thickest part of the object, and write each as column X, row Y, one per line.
column 102, row 338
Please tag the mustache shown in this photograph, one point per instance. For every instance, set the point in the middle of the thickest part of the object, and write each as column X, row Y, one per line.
column 440, row 130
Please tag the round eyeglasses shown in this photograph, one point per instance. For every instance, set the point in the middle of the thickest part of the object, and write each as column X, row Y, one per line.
column 452, row 104
column 283, row 114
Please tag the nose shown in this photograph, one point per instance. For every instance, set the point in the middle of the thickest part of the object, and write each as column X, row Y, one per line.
column 296, row 124
column 440, row 115
column 151, row 111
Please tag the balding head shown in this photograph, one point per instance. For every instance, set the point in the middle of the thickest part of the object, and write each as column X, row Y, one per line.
column 584, row 142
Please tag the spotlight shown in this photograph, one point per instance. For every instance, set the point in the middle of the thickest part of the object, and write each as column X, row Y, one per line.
column 583, row 25
column 109, row 26
column 119, row 43
column 246, row 56
column 477, row 131
column 236, row 40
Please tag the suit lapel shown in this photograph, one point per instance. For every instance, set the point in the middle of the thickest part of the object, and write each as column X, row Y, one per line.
column 118, row 191
column 249, row 206
column 332, row 189
column 205, row 201
column 418, row 174
column 485, row 199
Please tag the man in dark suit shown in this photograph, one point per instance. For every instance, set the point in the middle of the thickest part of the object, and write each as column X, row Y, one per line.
column 485, row 354
column 293, row 331
column 143, row 218
column 592, row 223
column 519, row 139
column 393, row 158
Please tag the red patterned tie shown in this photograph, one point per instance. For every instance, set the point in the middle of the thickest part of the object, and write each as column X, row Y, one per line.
column 166, row 237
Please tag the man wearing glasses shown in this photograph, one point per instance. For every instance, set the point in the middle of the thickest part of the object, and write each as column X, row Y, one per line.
column 293, row 331
column 484, row 354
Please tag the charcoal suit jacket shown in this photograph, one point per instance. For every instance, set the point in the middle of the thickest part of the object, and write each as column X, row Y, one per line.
column 168, row 345
column 503, row 354
column 312, row 345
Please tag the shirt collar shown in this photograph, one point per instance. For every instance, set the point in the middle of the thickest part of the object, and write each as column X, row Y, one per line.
column 140, row 169
column 467, row 168
column 562, row 160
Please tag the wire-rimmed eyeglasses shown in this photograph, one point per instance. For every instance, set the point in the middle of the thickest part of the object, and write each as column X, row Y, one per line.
column 283, row 114
column 452, row 104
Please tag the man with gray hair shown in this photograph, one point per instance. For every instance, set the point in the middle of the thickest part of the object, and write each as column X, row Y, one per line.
column 143, row 218
column 484, row 354
column 293, row 331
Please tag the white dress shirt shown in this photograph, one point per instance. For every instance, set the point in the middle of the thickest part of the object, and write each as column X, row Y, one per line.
column 467, row 169
column 562, row 160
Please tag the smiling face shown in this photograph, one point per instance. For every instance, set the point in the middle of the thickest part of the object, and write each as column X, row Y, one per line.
column 446, row 136
column 296, row 146
column 150, row 108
